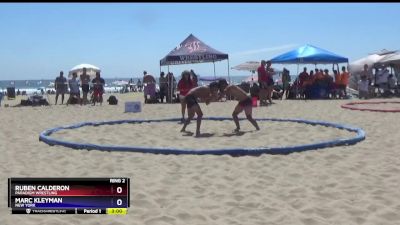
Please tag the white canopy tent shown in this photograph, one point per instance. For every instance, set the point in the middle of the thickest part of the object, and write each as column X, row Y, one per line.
column 90, row 70
column 393, row 60
column 356, row 67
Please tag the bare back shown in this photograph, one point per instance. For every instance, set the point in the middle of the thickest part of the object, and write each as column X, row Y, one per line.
column 236, row 92
column 202, row 92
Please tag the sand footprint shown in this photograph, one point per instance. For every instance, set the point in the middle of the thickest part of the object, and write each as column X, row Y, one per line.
column 325, row 213
column 390, row 216
column 161, row 220
column 191, row 219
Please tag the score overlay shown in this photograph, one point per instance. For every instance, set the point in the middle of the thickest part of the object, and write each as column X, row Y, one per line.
column 69, row 195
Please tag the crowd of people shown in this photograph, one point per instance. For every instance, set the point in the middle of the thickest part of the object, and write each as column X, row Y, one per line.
column 94, row 86
column 313, row 84
column 320, row 84
column 382, row 84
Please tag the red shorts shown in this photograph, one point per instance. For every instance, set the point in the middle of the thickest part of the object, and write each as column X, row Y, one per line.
column 97, row 93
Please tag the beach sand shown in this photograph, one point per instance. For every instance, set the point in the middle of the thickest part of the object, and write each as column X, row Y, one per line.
column 357, row 184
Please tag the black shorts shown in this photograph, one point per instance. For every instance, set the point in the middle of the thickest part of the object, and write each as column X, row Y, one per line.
column 266, row 84
column 270, row 81
column 191, row 101
column 85, row 88
column 246, row 102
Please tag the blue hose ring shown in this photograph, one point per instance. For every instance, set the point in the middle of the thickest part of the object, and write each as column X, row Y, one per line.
column 45, row 137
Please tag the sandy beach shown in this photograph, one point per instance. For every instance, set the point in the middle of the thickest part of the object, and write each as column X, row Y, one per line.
column 345, row 185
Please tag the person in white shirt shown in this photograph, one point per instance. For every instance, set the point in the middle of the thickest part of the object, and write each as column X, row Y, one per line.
column 74, row 92
column 382, row 79
column 363, row 91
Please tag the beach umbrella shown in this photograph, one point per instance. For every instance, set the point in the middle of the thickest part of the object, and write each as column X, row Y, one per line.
column 90, row 70
column 248, row 66
column 251, row 66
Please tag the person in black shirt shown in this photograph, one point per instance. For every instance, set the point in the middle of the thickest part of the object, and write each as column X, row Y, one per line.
column 61, row 86
column 98, row 89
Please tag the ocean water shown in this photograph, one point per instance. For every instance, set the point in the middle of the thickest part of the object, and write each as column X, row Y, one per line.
column 32, row 86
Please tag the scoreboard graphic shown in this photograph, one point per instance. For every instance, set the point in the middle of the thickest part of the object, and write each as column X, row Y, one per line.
column 69, row 195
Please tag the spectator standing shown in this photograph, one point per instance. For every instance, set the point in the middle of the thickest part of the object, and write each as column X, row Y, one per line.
column 61, row 87
column 163, row 87
column 85, row 79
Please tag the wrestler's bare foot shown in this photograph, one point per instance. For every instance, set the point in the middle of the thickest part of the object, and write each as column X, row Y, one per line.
column 197, row 134
column 183, row 130
column 236, row 130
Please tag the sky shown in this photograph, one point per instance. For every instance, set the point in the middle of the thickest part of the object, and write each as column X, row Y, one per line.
column 38, row 40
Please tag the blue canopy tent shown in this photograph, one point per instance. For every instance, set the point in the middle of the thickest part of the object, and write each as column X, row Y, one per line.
column 191, row 51
column 309, row 54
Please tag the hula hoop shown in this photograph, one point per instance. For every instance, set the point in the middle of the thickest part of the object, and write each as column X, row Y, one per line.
column 45, row 137
column 350, row 105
